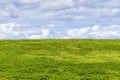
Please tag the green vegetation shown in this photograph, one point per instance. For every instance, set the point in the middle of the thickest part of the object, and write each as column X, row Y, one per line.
column 59, row 59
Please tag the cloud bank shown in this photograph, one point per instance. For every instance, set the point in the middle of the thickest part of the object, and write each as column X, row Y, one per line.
column 36, row 19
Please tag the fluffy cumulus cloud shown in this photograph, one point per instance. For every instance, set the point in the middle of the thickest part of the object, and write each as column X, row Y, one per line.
column 38, row 34
column 5, row 29
column 97, row 31
column 35, row 19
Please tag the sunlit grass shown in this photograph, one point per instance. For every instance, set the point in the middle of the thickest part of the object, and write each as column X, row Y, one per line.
column 60, row 60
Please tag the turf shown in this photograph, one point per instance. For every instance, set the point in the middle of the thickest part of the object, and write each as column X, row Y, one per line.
column 60, row 59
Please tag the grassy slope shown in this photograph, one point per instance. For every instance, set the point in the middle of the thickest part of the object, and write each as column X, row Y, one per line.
column 60, row 60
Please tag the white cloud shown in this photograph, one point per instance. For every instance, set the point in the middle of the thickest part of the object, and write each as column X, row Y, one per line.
column 9, row 10
column 78, row 33
column 57, row 4
column 112, row 31
column 49, row 4
column 29, row 1
column 37, row 34
column 6, row 28
column 105, row 11
column 3, row 13
column 96, row 27
column 113, row 3
column 9, row 30
column 59, row 18
column 34, row 37
column 2, row 36
column 59, row 11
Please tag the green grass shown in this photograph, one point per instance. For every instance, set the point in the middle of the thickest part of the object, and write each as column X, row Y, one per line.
column 60, row 60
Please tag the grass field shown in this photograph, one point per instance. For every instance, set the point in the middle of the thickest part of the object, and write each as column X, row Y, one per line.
column 60, row 60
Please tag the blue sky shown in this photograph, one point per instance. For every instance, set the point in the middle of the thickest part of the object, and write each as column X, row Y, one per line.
column 36, row 19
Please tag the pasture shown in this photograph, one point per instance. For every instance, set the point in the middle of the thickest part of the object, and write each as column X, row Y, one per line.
column 70, row 59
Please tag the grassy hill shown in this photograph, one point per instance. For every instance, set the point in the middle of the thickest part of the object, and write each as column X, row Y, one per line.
column 59, row 59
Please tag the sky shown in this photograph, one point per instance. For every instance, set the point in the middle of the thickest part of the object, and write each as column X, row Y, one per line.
column 63, row 19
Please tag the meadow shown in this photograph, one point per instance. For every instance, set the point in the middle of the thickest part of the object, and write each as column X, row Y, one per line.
column 70, row 59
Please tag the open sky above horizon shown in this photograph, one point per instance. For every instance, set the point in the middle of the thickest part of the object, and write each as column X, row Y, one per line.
column 36, row 19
